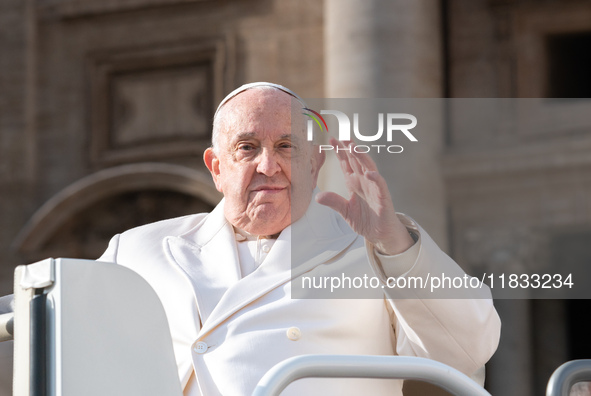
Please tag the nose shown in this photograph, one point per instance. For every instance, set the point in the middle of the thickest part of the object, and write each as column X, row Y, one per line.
column 267, row 163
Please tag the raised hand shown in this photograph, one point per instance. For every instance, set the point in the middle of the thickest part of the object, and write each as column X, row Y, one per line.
column 369, row 211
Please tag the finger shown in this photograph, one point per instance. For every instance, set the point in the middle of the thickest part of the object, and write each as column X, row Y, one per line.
column 363, row 159
column 374, row 176
column 356, row 165
column 348, row 153
column 337, row 143
column 334, row 201
column 340, row 150
column 345, row 167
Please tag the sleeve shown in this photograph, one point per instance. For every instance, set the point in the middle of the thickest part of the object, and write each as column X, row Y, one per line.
column 456, row 326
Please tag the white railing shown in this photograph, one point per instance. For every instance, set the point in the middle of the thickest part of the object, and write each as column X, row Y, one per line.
column 6, row 327
column 568, row 374
column 355, row 366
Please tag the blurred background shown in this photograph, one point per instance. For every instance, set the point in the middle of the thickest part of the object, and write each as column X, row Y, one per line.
column 106, row 107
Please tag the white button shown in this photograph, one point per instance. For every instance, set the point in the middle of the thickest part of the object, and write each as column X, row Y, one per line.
column 266, row 248
column 293, row 333
column 200, row 347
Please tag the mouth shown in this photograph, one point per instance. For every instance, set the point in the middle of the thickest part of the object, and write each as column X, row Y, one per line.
column 268, row 189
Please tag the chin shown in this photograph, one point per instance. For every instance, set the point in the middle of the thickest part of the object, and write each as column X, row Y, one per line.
column 268, row 226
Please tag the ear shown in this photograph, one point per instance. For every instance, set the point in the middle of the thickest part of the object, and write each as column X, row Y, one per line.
column 213, row 164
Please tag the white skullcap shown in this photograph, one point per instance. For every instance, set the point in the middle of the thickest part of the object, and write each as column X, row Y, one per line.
column 258, row 84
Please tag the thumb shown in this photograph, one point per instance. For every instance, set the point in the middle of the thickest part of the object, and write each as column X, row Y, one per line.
column 334, row 201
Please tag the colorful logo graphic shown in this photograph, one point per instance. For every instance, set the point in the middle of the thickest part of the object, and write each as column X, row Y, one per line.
column 317, row 118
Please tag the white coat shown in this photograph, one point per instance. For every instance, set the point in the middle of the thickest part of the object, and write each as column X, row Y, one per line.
column 228, row 330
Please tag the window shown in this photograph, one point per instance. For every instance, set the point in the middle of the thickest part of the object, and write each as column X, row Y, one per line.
column 569, row 65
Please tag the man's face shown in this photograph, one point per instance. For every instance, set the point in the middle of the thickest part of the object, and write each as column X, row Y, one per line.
column 266, row 172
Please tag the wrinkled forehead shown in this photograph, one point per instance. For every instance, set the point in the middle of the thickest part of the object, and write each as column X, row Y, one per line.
column 262, row 110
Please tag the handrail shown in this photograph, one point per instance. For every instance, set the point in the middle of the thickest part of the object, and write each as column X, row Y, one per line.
column 6, row 327
column 362, row 366
column 568, row 374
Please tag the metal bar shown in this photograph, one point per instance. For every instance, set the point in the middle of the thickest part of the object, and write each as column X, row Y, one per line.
column 6, row 327
column 361, row 366
column 38, row 346
column 22, row 335
column 568, row 374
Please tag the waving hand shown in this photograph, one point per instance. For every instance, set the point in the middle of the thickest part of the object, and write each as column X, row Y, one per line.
column 369, row 211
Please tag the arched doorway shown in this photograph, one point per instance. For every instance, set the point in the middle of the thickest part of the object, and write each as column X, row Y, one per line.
column 79, row 220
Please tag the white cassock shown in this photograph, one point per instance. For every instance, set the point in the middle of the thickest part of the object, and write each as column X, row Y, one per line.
column 229, row 328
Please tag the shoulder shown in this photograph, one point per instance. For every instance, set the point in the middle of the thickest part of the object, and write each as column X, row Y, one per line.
column 145, row 241
column 169, row 227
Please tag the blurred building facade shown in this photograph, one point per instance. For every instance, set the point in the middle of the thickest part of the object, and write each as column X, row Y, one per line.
column 106, row 106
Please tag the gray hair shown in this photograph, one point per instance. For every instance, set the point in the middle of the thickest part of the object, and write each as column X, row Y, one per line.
column 264, row 86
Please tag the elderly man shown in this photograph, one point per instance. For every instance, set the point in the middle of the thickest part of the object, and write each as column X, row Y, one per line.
column 225, row 278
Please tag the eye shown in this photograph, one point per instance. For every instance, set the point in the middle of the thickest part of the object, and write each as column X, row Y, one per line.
column 246, row 147
column 286, row 145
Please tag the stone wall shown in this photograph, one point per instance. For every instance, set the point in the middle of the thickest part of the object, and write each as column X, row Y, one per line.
column 16, row 179
column 520, row 181
column 93, row 86
column 105, row 110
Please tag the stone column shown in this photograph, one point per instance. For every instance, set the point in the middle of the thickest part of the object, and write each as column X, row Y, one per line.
column 392, row 49
column 510, row 370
